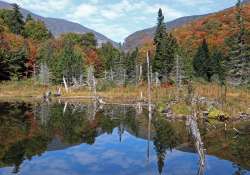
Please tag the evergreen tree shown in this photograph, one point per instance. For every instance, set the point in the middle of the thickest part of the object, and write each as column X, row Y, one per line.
column 109, row 56
column 165, row 49
column 165, row 139
column 16, row 23
column 28, row 18
column 68, row 63
column 89, row 40
column 239, row 57
column 131, row 64
column 202, row 64
column 36, row 30
column 218, row 62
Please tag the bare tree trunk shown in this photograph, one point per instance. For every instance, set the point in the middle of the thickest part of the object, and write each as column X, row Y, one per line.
column 65, row 84
column 149, row 84
column 112, row 76
column 194, row 131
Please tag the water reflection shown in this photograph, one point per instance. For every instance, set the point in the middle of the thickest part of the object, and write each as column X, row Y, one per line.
column 74, row 138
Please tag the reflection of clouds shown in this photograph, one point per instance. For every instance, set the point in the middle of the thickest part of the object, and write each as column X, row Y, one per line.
column 84, row 158
column 6, row 170
column 109, row 156
column 47, row 165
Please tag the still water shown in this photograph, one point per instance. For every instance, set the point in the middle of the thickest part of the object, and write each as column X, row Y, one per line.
column 81, row 139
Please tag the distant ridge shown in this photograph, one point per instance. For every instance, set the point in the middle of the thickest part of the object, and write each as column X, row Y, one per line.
column 60, row 26
column 137, row 39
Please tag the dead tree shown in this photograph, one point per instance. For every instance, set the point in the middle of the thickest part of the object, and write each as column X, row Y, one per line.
column 91, row 81
column 193, row 129
column 178, row 72
column 65, row 84
column 149, row 84
column 44, row 74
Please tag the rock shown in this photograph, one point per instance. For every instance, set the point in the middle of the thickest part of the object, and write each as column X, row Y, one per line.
column 166, row 111
column 244, row 116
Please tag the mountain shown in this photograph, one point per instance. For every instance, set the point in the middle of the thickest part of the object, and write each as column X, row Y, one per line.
column 216, row 28
column 138, row 38
column 60, row 26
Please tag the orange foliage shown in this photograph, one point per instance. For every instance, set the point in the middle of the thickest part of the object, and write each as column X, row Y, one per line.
column 93, row 59
column 32, row 57
column 215, row 28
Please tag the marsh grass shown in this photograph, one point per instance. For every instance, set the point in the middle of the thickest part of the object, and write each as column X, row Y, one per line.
column 237, row 99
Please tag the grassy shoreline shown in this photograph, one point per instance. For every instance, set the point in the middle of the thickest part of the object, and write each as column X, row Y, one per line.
column 237, row 99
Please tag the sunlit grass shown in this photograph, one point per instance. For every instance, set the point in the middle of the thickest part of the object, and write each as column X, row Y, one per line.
column 237, row 99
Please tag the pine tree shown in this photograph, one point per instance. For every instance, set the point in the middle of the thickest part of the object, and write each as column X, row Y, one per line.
column 28, row 18
column 239, row 57
column 69, row 64
column 202, row 64
column 16, row 20
column 165, row 49
column 218, row 62
column 130, row 64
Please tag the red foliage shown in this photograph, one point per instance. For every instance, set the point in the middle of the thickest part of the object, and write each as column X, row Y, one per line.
column 167, row 85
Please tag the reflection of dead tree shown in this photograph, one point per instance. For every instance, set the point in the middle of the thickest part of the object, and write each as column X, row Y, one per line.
column 149, row 133
column 44, row 113
column 149, row 84
column 139, row 104
column 192, row 125
column 92, row 110
column 201, row 170
column 149, row 101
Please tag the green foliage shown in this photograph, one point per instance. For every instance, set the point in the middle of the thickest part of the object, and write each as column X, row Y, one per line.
column 29, row 18
column 130, row 64
column 238, row 65
column 215, row 113
column 89, row 40
column 13, row 64
column 109, row 56
column 202, row 63
column 45, row 52
column 13, row 19
column 165, row 49
column 68, row 63
column 73, row 38
column 218, row 62
column 181, row 109
column 36, row 30
column 165, row 138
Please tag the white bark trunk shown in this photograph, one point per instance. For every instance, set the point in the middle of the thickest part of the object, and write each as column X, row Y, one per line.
column 65, row 85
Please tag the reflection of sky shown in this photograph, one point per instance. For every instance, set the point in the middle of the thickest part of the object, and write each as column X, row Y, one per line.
column 110, row 157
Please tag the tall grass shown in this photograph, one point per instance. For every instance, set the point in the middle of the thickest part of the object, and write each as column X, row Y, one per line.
column 236, row 100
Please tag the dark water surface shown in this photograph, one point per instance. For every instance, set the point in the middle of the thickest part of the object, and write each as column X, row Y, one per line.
column 78, row 139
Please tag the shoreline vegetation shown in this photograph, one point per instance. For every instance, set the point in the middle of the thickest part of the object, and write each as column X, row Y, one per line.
column 212, row 81
column 209, row 95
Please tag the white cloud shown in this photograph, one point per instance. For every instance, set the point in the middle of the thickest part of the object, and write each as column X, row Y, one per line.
column 82, row 11
column 195, row 2
column 44, row 7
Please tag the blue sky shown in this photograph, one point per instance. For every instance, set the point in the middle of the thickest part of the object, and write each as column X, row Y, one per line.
column 118, row 18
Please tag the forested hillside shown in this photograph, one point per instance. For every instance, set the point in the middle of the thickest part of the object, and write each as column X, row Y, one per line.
column 61, row 26
column 186, row 26
column 213, row 48
column 29, row 49
column 216, row 28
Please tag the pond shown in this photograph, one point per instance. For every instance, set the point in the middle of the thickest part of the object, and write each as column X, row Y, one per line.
column 81, row 139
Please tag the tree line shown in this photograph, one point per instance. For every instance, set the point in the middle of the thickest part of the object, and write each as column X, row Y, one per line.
column 28, row 49
column 223, row 65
